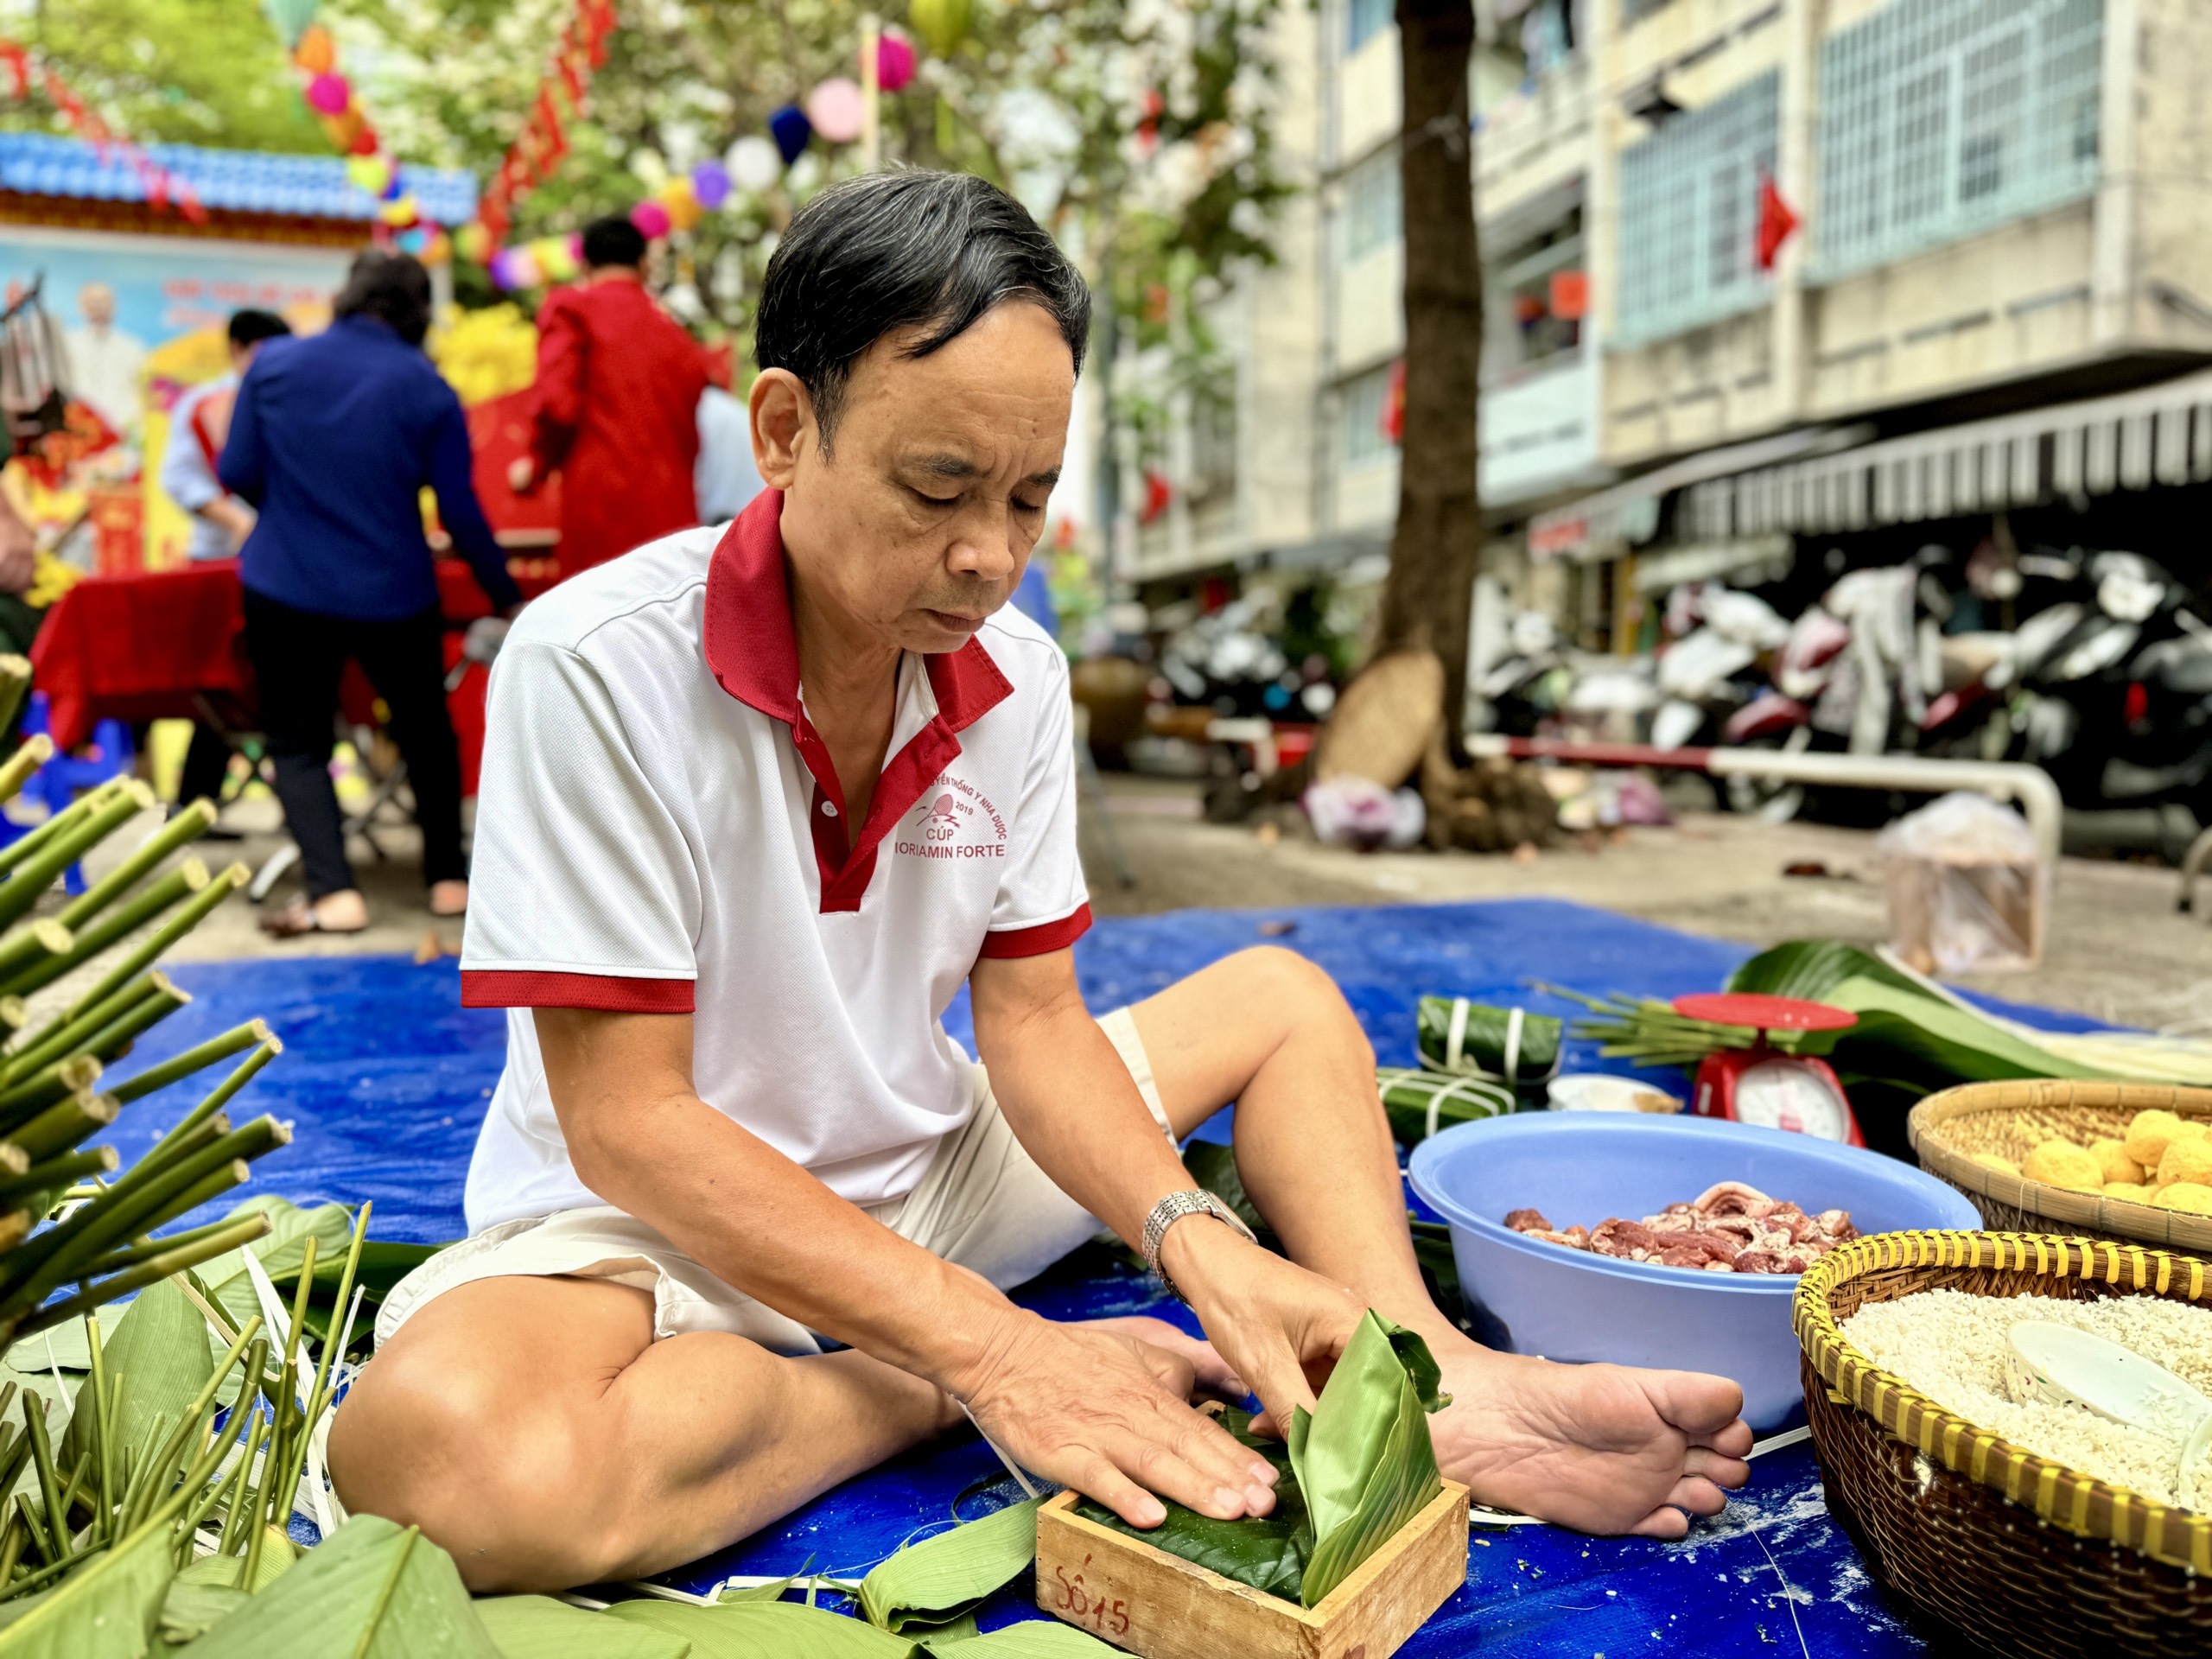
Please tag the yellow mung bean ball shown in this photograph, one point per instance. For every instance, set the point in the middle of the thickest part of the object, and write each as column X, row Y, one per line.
column 2061, row 1163
column 2002, row 1165
column 2118, row 1166
column 2132, row 1191
column 2187, row 1159
column 2192, row 1197
column 2147, row 1134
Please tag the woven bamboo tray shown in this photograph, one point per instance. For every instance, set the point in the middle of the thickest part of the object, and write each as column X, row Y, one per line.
column 2011, row 1118
column 2014, row 1552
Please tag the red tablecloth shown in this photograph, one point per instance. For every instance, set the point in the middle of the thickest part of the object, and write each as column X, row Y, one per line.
column 149, row 646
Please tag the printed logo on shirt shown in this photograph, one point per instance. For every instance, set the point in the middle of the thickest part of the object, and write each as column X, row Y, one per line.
column 956, row 821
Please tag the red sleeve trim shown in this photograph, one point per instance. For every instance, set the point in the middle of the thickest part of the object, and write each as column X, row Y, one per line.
column 1038, row 941
column 483, row 989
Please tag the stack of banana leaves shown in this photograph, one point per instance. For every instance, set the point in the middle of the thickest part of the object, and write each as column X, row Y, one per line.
column 1913, row 1036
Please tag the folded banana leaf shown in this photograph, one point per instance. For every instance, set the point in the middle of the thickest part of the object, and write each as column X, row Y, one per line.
column 941, row 1580
column 1418, row 1103
column 1266, row 1551
column 1365, row 1450
column 1364, row 1460
column 1458, row 1037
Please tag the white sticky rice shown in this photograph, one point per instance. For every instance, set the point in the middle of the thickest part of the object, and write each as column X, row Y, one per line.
column 1950, row 1345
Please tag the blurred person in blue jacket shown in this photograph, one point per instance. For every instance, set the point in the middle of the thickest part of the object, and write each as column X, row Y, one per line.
column 332, row 439
column 200, row 423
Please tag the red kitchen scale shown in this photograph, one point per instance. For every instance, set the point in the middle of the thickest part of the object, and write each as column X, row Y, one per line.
column 1763, row 1085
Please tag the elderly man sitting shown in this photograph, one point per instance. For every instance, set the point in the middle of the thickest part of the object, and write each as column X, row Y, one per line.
column 755, row 803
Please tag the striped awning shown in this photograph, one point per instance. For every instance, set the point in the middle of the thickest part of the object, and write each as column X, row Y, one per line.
column 2128, row 441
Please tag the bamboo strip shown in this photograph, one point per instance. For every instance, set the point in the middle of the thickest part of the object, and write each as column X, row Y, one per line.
column 35, row 939
column 36, row 750
column 188, row 877
column 187, row 826
column 194, row 1059
column 61, row 1126
column 176, row 928
column 36, row 874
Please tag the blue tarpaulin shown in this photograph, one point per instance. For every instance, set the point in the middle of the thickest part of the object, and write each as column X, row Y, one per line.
column 385, row 1077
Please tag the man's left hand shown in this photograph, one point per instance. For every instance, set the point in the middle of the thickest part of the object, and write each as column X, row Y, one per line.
column 1281, row 1327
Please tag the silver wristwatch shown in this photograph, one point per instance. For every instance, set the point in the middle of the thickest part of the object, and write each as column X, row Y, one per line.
column 1171, row 1210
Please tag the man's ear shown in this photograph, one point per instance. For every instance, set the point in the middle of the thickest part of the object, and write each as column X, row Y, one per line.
column 783, row 425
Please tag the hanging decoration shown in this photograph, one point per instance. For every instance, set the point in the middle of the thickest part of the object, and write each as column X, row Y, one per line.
column 711, row 183
column 652, row 219
column 528, row 264
column 894, row 62
column 791, row 129
column 1777, row 222
column 372, row 169
column 543, row 141
column 942, row 23
column 754, row 162
column 837, row 111
column 163, row 188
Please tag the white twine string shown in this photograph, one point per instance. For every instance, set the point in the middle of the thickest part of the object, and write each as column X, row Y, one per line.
column 1457, row 1035
column 1012, row 1467
column 1515, row 1019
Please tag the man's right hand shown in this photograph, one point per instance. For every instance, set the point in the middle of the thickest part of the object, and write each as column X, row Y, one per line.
column 522, row 475
column 1109, row 1416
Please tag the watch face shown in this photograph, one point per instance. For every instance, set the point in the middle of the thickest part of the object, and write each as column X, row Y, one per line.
column 1782, row 1094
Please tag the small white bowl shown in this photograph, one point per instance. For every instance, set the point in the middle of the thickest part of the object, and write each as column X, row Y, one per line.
column 1601, row 1091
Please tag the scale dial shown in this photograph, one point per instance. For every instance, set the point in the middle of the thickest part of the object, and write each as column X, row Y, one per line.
column 1781, row 1093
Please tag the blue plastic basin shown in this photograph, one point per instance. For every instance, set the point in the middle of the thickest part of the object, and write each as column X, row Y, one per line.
column 1580, row 1168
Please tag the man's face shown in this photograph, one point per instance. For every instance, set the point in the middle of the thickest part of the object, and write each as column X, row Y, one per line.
column 96, row 301
column 917, row 524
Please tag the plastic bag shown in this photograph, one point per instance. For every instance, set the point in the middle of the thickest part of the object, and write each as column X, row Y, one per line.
column 1352, row 811
column 1967, row 886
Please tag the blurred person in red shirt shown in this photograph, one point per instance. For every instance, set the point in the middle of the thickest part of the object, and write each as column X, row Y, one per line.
column 618, row 395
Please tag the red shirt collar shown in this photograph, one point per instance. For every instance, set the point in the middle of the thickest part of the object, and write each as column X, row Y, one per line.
column 754, row 653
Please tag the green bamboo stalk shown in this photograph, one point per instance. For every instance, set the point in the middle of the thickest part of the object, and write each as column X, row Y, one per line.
column 126, row 1210
column 99, row 1410
column 36, row 1528
column 49, row 1479
column 75, row 1075
column 151, row 949
column 11, row 1165
column 234, row 1517
column 146, row 1249
column 208, row 1174
column 188, row 825
column 33, row 942
column 59, row 1172
column 14, row 683
column 63, row 1035
column 198, row 1478
column 188, row 877
column 78, row 1482
column 195, row 1059
column 179, row 1444
column 12, row 1540
column 34, row 752
column 138, row 1477
column 102, row 1030
column 38, row 838
column 273, row 1503
column 37, row 873
column 157, row 1269
column 62, row 1125
column 335, row 1342
column 31, row 1581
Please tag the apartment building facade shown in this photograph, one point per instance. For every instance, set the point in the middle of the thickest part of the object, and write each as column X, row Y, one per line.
column 1997, row 235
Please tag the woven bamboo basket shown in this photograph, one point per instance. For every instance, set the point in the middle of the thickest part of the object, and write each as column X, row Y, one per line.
column 2010, row 1119
column 2012, row 1551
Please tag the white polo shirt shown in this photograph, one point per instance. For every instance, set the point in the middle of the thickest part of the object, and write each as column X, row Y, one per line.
column 659, row 829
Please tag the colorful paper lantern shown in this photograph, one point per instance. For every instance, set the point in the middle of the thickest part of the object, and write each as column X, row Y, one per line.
column 414, row 240
column 328, row 94
column 754, row 163
column 438, row 249
column 943, row 23
column 651, row 217
column 473, row 243
column 836, row 109
column 711, row 184
column 401, row 210
column 372, row 175
column 894, row 62
column 316, row 53
column 553, row 257
column 365, row 142
column 501, row 266
column 791, row 129
column 682, row 204
column 523, row 269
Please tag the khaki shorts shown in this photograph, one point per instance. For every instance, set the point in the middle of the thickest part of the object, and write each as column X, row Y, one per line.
column 982, row 1204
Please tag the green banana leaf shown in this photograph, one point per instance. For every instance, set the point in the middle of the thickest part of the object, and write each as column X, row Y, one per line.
column 191, row 1610
column 157, row 1357
column 538, row 1627
column 941, row 1578
column 371, row 1590
column 1409, row 1097
column 1483, row 1041
column 1363, row 1456
column 1810, row 968
column 221, row 1571
column 763, row 1629
column 107, row 1611
column 1213, row 1167
column 1266, row 1551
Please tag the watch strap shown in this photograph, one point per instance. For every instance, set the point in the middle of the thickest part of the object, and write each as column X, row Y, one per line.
column 1171, row 1209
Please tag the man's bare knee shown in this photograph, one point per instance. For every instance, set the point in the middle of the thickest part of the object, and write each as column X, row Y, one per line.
column 509, row 1484
column 1299, row 995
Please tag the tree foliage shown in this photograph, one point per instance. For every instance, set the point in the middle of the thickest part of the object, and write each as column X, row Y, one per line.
column 196, row 72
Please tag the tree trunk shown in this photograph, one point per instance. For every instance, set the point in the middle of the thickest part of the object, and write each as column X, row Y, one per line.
column 1438, row 543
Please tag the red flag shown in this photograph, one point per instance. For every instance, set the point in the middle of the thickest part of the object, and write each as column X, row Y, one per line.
column 1776, row 222
column 1392, row 423
column 554, row 142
